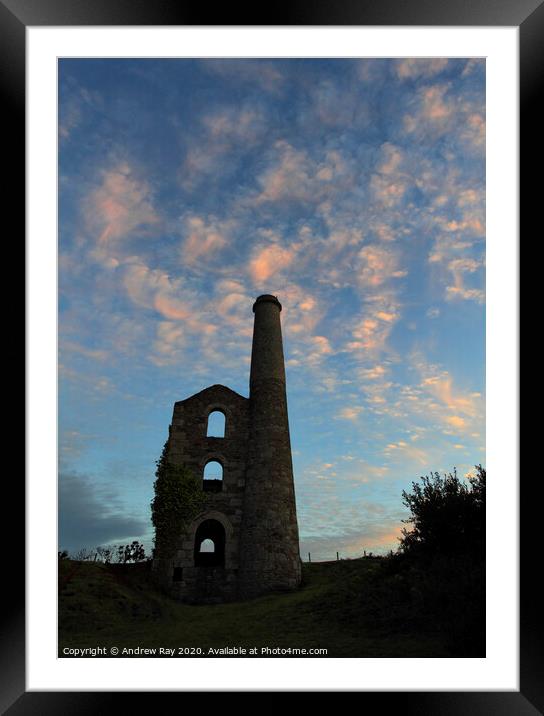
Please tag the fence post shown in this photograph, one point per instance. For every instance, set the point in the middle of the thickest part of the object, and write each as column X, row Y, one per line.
column 337, row 557
column 309, row 557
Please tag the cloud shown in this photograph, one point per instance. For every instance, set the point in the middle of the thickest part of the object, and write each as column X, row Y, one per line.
column 268, row 261
column 377, row 372
column 307, row 345
column 415, row 68
column 120, row 205
column 443, row 109
column 459, row 410
column 405, row 452
column 70, row 117
column 474, row 130
column 459, row 268
column 375, row 270
column 95, row 387
column 234, row 124
column 296, row 175
column 226, row 135
column 290, row 176
column 171, row 339
column 143, row 283
column 392, row 159
column 259, row 73
column 330, row 104
column 90, row 515
column 203, row 238
column 441, row 386
column 434, row 106
column 317, row 190
column 155, row 290
column 322, row 345
column 95, row 354
column 458, row 246
column 376, row 265
column 76, row 103
column 72, row 444
column 350, row 413
column 391, row 181
column 387, row 191
column 384, row 232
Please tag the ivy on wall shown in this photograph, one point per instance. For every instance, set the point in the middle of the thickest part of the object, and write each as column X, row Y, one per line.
column 178, row 500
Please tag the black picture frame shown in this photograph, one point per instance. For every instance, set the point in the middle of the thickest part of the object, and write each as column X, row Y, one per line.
column 528, row 16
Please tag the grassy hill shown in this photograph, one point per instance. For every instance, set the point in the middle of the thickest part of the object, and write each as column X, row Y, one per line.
column 340, row 607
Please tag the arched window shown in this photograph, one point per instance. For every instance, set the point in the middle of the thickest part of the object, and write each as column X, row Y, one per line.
column 216, row 425
column 207, row 545
column 210, row 531
column 213, row 477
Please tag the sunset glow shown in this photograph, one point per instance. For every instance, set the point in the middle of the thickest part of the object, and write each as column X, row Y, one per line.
column 354, row 190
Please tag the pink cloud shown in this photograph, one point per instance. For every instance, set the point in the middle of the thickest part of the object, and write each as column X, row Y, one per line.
column 225, row 133
column 262, row 73
column 350, row 413
column 202, row 240
column 268, row 261
column 456, row 421
column 384, row 232
column 435, row 108
column 474, row 130
column 404, row 451
column 244, row 124
column 412, row 67
column 321, row 345
column 170, row 307
column 388, row 192
column 392, row 159
column 458, row 268
column 441, row 387
column 94, row 354
column 154, row 289
column 378, row 264
column 374, row 373
column 122, row 204
column 370, row 334
column 289, row 177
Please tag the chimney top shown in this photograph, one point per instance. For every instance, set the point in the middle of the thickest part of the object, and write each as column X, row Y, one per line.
column 267, row 298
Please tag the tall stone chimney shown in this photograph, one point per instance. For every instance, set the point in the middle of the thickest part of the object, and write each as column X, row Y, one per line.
column 269, row 547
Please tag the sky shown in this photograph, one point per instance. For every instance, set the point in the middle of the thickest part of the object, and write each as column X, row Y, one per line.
column 354, row 190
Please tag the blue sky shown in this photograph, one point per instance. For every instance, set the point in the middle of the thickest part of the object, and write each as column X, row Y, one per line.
column 354, row 190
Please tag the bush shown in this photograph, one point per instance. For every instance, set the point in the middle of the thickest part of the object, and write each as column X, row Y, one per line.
column 435, row 583
column 448, row 516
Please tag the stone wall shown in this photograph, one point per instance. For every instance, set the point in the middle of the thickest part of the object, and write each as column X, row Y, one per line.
column 188, row 445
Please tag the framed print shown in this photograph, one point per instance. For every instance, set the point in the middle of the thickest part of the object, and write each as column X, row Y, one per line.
column 394, row 254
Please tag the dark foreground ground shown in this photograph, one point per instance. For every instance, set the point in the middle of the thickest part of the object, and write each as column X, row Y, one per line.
column 351, row 608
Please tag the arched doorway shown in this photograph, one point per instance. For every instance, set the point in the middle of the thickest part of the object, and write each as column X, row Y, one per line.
column 210, row 531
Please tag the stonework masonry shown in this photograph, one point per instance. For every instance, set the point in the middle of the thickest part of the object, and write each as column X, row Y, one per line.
column 249, row 515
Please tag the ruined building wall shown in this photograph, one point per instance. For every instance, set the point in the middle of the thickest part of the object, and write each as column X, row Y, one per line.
column 252, row 519
column 188, row 445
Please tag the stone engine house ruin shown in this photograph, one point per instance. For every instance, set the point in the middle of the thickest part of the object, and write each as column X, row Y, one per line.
column 245, row 541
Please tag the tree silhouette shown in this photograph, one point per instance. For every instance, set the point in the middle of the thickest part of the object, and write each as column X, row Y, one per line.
column 448, row 516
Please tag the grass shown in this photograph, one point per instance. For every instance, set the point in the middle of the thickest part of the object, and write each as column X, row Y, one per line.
column 118, row 606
